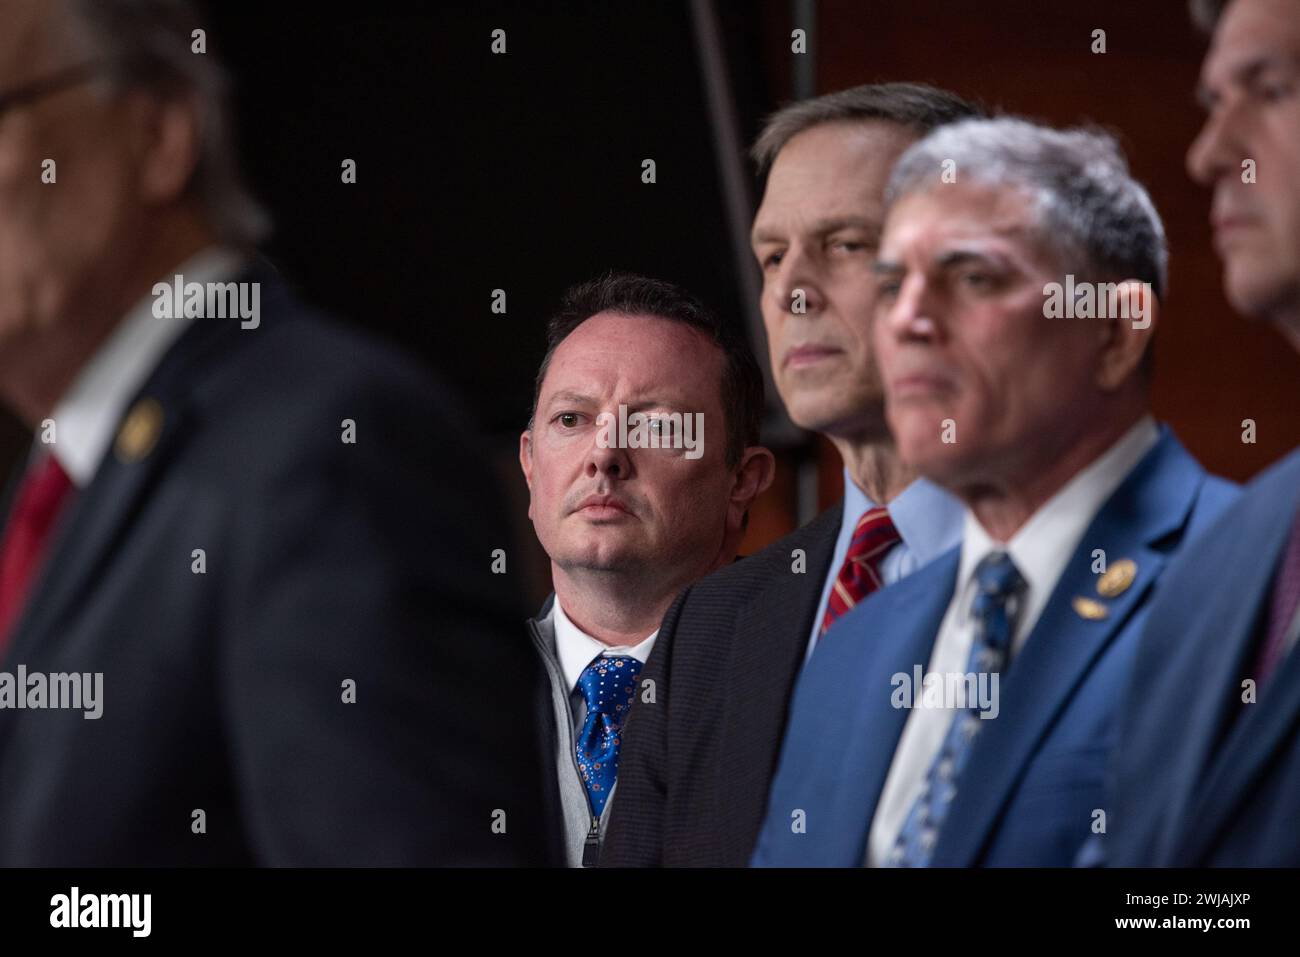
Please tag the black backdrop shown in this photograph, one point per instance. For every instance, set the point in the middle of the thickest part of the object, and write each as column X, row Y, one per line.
column 478, row 171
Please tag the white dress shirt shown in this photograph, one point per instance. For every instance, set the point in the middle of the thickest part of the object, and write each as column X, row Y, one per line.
column 577, row 649
column 86, row 417
column 1040, row 549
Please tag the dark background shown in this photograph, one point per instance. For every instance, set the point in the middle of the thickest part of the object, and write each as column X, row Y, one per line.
column 523, row 172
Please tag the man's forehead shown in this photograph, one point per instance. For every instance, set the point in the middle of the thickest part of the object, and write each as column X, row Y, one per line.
column 968, row 213
column 839, row 156
column 1250, row 33
column 642, row 356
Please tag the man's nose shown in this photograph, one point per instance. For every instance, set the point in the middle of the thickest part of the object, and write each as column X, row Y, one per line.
column 797, row 289
column 912, row 314
column 606, row 458
column 1217, row 149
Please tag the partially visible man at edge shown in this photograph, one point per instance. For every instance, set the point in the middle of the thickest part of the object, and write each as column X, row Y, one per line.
column 245, row 523
column 1207, row 773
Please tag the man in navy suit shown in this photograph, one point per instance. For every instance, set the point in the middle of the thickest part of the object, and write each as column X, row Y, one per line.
column 1208, row 769
column 964, row 716
column 246, row 604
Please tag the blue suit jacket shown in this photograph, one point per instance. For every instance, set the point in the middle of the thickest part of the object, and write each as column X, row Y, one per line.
column 1037, row 771
column 1201, row 779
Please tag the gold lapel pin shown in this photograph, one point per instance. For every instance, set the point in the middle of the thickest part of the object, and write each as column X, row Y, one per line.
column 139, row 431
column 1090, row 610
column 1117, row 578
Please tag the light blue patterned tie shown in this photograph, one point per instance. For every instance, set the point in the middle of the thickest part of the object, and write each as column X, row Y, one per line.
column 994, row 610
column 607, row 685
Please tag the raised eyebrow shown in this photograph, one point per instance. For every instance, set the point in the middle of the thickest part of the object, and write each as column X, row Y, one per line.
column 641, row 405
column 821, row 228
column 873, row 230
column 960, row 257
column 886, row 267
column 571, row 398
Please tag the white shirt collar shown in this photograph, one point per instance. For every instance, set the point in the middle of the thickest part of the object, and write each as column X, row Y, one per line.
column 577, row 649
column 87, row 415
column 1043, row 545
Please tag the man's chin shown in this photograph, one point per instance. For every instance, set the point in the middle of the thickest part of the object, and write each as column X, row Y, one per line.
column 610, row 559
column 833, row 416
column 1260, row 296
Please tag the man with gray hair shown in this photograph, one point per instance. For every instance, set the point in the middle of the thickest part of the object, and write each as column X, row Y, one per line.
column 233, row 511
column 964, row 716
column 1207, row 773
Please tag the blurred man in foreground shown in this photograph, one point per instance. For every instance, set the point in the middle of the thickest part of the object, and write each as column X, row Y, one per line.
column 247, row 612
column 964, row 716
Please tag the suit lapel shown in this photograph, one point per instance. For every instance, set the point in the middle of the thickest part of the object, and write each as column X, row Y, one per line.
column 892, row 633
column 1152, row 502
column 766, row 653
column 1231, row 748
column 99, row 514
column 1057, row 657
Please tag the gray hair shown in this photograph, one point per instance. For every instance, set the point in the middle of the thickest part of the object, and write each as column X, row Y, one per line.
column 1090, row 208
column 146, row 44
column 914, row 105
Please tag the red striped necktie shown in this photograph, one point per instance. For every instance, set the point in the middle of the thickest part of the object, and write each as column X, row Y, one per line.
column 42, row 493
column 859, row 576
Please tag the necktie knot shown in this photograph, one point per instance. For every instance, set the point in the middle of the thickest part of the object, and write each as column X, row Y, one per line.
column 859, row 576
column 998, row 576
column 998, row 586
column 608, row 684
column 873, row 536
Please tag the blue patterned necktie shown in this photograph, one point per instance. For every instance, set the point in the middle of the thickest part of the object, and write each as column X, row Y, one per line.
column 993, row 610
column 607, row 685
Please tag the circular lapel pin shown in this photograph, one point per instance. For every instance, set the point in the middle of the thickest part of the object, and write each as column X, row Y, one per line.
column 139, row 431
column 1089, row 609
column 1117, row 578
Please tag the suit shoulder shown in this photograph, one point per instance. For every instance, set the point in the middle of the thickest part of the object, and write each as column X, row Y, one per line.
column 755, row 572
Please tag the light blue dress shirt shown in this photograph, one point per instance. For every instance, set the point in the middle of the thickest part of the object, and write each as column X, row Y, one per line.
column 929, row 522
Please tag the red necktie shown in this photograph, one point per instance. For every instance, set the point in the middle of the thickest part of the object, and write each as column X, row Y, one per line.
column 872, row 539
column 43, row 491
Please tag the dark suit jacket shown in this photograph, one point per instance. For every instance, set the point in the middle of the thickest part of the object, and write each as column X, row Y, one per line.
column 1201, row 779
column 696, row 765
column 1036, row 771
column 325, row 562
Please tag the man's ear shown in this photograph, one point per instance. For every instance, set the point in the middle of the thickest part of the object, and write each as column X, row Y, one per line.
column 169, row 134
column 1126, row 340
column 754, row 474
column 526, row 464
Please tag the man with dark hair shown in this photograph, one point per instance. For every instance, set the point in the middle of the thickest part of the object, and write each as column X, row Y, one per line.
column 642, row 461
column 1208, row 770
column 700, row 758
column 235, row 532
